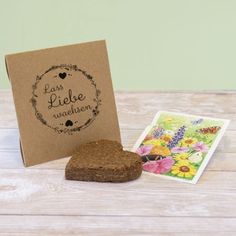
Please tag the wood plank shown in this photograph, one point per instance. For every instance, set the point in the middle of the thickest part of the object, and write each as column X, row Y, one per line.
column 137, row 109
column 31, row 191
column 111, row 225
column 9, row 139
column 224, row 158
column 12, row 160
column 130, row 120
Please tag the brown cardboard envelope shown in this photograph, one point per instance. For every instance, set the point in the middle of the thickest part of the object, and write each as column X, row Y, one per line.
column 63, row 97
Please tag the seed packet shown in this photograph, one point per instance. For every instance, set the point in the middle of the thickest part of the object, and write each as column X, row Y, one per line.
column 63, row 98
column 179, row 146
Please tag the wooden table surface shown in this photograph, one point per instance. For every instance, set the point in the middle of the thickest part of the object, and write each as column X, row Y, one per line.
column 39, row 201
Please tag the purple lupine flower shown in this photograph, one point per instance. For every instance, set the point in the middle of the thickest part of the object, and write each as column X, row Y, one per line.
column 177, row 137
column 157, row 133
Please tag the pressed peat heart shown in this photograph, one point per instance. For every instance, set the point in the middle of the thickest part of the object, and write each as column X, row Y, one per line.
column 103, row 161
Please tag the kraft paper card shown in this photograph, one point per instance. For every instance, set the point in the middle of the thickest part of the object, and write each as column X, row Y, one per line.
column 63, row 97
column 179, row 146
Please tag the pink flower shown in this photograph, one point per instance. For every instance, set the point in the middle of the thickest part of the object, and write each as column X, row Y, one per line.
column 200, row 147
column 179, row 149
column 144, row 150
column 159, row 167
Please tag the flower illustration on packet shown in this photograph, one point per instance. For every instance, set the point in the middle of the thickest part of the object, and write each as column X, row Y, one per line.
column 178, row 146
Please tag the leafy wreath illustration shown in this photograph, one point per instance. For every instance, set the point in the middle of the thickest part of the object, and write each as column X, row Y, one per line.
column 96, row 99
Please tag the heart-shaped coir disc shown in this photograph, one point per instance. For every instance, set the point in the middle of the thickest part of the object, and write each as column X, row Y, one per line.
column 62, row 75
column 103, row 161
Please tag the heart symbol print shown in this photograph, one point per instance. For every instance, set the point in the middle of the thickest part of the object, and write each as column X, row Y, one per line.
column 62, row 75
column 69, row 123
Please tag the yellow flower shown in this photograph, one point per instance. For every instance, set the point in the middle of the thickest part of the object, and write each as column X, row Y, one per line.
column 161, row 150
column 181, row 156
column 166, row 138
column 183, row 169
column 154, row 142
column 187, row 142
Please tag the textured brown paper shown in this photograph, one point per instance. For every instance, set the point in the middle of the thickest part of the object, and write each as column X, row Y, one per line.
column 63, row 97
